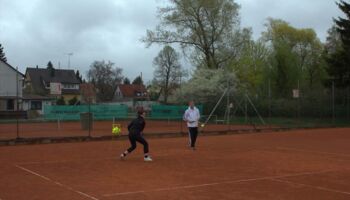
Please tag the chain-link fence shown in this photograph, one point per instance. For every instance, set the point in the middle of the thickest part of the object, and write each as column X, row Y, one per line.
column 302, row 107
column 239, row 111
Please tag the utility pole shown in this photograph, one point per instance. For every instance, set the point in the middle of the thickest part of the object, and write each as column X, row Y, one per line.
column 69, row 55
column 141, row 76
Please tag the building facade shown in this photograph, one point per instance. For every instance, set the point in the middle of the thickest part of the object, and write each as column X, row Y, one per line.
column 11, row 85
column 39, row 81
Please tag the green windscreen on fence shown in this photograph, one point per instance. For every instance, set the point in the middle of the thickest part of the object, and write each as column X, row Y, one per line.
column 170, row 112
column 100, row 112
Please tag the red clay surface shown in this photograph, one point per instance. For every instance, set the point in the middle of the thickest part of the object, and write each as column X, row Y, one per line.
column 312, row 164
column 100, row 128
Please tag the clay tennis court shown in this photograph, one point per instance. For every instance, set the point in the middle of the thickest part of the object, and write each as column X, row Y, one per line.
column 100, row 128
column 312, row 164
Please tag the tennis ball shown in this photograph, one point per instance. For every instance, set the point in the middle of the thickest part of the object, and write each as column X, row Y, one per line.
column 116, row 131
column 202, row 125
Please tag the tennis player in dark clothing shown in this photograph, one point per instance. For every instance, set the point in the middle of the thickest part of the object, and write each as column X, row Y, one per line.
column 136, row 135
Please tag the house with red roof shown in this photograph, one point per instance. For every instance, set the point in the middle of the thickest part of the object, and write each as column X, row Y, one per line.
column 130, row 92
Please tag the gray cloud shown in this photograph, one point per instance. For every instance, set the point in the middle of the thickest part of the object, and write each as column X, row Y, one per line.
column 34, row 32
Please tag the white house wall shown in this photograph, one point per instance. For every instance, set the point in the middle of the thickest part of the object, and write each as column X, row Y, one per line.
column 27, row 105
column 118, row 95
column 8, row 78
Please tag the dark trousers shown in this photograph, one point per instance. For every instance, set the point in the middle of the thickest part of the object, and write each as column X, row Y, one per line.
column 133, row 138
column 193, row 133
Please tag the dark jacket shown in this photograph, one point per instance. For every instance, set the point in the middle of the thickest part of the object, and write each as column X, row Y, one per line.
column 137, row 125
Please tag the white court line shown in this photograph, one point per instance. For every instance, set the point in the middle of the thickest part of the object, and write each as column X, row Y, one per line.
column 117, row 158
column 213, row 184
column 31, row 172
column 312, row 186
column 165, row 155
column 63, row 161
column 55, row 182
column 311, row 151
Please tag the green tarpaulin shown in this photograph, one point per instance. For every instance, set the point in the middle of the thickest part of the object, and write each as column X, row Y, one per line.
column 170, row 112
column 100, row 112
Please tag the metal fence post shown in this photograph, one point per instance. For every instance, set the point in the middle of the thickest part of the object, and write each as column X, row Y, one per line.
column 298, row 114
column 245, row 109
column 17, row 107
column 333, row 102
column 89, row 120
column 348, row 103
column 269, row 94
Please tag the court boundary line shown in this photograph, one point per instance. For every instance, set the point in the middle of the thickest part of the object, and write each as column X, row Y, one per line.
column 310, row 186
column 214, row 183
column 55, row 182
column 117, row 158
column 312, row 151
column 64, row 161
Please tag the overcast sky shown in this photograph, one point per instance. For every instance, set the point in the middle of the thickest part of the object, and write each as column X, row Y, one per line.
column 34, row 32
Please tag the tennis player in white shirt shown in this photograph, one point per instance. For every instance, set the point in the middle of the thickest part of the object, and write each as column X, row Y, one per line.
column 192, row 117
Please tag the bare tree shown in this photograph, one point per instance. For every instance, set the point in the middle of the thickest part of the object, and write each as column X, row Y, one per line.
column 209, row 27
column 105, row 78
column 168, row 71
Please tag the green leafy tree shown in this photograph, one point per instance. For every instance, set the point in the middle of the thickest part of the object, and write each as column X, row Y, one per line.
column 79, row 77
column 284, row 73
column 49, row 65
column 297, row 56
column 250, row 65
column 137, row 81
column 338, row 48
column 61, row 101
column 343, row 24
column 73, row 101
column 2, row 54
column 126, row 81
column 315, row 69
column 209, row 29
column 51, row 68
column 333, row 41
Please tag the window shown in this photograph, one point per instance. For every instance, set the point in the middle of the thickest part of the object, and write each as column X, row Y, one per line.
column 10, row 104
column 47, row 85
column 35, row 105
column 71, row 86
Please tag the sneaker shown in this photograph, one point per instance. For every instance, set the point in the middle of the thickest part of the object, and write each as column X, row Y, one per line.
column 193, row 148
column 122, row 156
column 147, row 159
